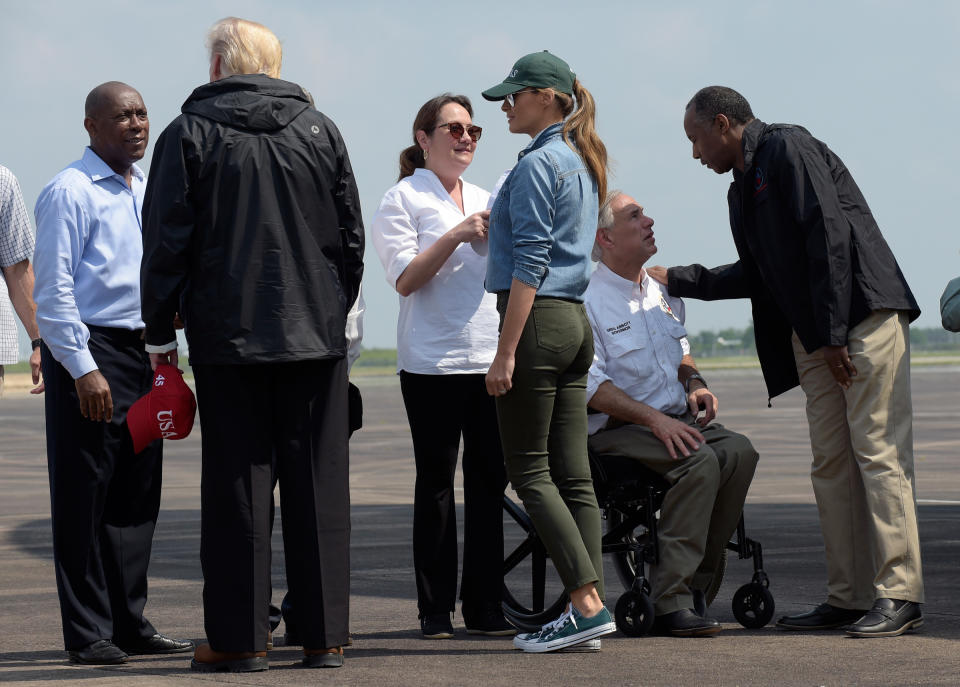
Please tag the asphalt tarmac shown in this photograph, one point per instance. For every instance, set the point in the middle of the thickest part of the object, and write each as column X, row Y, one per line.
column 387, row 647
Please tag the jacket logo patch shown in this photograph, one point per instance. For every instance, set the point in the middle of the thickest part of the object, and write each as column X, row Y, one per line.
column 619, row 329
column 759, row 182
column 315, row 129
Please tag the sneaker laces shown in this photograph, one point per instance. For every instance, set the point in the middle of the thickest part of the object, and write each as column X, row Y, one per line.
column 555, row 625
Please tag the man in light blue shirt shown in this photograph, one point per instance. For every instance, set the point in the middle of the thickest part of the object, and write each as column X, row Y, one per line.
column 104, row 498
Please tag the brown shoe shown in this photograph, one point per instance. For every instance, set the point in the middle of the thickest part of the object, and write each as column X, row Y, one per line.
column 206, row 660
column 323, row 658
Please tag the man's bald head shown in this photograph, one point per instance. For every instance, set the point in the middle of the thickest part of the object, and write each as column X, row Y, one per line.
column 105, row 94
column 116, row 120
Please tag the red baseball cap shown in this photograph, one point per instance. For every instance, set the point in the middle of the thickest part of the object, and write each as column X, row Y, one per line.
column 167, row 411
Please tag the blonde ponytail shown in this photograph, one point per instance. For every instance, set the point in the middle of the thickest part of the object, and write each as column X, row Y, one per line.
column 579, row 133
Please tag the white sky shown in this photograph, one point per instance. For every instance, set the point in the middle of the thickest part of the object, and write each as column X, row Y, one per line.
column 877, row 81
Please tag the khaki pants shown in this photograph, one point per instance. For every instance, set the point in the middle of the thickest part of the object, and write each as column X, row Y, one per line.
column 700, row 510
column 862, row 472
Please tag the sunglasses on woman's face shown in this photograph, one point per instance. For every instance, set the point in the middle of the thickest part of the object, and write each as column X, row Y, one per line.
column 512, row 97
column 456, row 130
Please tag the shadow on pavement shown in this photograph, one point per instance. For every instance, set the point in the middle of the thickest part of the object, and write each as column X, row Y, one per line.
column 383, row 567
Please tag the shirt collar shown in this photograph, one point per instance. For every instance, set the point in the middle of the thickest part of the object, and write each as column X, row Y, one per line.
column 100, row 170
column 626, row 287
column 430, row 177
column 541, row 138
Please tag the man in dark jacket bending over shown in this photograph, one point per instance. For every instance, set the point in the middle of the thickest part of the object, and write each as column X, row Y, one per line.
column 253, row 235
column 831, row 311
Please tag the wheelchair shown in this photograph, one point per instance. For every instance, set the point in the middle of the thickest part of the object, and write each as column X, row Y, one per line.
column 630, row 497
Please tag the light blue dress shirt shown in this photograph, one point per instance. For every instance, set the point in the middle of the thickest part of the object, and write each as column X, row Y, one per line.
column 87, row 258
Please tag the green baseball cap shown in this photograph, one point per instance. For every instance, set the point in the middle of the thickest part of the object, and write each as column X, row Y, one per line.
column 536, row 70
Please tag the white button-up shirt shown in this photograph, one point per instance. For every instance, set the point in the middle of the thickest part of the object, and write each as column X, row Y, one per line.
column 638, row 341
column 450, row 324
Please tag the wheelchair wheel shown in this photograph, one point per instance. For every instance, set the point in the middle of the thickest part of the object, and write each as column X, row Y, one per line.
column 627, row 565
column 634, row 614
column 753, row 605
column 533, row 594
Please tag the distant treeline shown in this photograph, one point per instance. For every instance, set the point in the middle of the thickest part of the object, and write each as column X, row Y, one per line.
column 729, row 342
column 732, row 342
column 725, row 342
column 377, row 357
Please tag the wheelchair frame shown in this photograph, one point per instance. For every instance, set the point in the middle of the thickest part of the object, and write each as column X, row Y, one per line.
column 627, row 506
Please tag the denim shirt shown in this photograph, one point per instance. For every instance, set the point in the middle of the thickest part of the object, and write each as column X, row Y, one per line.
column 544, row 220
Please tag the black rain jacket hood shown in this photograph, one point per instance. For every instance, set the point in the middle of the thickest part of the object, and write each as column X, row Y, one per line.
column 242, row 103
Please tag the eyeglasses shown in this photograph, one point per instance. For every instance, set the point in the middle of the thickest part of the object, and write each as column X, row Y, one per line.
column 456, row 130
column 512, row 97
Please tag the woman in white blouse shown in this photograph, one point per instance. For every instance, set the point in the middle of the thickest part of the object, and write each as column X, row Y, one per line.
column 446, row 339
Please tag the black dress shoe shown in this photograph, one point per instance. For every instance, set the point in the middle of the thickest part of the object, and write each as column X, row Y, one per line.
column 700, row 603
column 436, row 626
column 158, row 644
column 888, row 618
column 823, row 617
column 487, row 619
column 102, row 652
column 686, row 623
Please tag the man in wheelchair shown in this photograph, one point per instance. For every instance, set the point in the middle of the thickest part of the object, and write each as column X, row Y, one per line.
column 645, row 396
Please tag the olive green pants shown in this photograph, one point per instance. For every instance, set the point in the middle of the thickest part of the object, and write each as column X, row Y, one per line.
column 701, row 509
column 543, row 428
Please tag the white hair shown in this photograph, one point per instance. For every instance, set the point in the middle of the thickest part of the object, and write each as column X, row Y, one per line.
column 604, row 220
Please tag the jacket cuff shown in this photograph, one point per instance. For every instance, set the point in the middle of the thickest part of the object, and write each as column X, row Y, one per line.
column 531, row 275
column 161, row 335
column 165, row 348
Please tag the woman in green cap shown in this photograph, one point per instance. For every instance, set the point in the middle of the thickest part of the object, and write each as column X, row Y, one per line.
column 542, row 228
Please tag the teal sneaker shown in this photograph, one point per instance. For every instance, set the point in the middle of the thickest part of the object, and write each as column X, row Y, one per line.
column 521, row 639
column 568, row 630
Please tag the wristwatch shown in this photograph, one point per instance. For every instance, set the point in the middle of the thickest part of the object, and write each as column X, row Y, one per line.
column 695, row 375
column 35, row 344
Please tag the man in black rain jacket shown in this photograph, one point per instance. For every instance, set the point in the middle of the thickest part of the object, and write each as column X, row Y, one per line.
column 253, row 235
column 831, row 312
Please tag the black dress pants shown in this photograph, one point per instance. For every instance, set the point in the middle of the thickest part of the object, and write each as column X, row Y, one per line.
column 104, row 498
column 287, row 420
column 441, row 408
